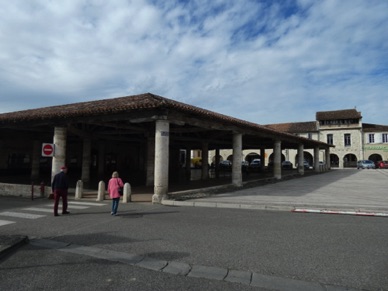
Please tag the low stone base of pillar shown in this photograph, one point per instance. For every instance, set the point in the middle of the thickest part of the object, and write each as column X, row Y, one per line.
column 157, row 199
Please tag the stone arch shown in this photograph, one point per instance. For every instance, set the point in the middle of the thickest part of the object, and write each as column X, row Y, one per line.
column 334, row 161
column 306, row 156
column 271, row 156
column 375, row 158
column 350, row 161
column 251, row 156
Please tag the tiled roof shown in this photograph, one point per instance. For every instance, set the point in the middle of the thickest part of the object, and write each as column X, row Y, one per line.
column 338, row 114
column 368, row 127
column 294, row 127
column 124, row 106
column 116, row 106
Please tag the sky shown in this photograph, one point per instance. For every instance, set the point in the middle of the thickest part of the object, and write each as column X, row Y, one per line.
column 262, row 61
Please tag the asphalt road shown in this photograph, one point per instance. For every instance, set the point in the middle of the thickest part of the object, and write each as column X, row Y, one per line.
column 331, row 250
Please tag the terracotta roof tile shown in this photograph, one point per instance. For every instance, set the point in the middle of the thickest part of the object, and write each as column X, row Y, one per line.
column 129, row 104
column 115, row 106
column 338, row 114
column 368, row 127
column 294, row 127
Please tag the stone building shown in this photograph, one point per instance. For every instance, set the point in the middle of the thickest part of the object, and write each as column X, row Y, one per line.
column 353, row 139
column 141, row 136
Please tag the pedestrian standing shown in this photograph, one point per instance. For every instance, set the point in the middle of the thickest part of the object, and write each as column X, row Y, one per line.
column 60, row 186
column 114, row 185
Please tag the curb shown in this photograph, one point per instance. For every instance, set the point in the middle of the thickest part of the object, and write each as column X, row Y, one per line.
column 342, row 212
column 273, row 207
column 9, row 244
column 184, row 269
column 228, row 205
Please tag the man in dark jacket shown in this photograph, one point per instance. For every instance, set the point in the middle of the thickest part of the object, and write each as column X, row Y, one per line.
column 59, row 186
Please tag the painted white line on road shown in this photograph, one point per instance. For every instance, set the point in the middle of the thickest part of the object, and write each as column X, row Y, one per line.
column 70, row 206
column 87, row 203
column 39, row 209
column 21, row 215
column 5, row 222
column 324, row 211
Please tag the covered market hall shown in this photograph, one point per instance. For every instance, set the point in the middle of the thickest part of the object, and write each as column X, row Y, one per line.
column 146, row 138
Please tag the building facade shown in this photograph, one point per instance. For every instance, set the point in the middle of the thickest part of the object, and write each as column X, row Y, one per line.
column 353, row 139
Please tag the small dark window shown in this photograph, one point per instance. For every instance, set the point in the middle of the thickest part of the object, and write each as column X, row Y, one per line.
column 330, row 139
column 347, row 140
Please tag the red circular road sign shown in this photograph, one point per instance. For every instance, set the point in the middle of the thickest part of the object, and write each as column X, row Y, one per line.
column 47, row 150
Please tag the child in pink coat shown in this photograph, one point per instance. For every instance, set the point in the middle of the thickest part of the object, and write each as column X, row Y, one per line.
column 115, row 183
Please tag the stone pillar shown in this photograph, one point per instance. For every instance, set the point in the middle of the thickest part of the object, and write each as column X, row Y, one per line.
column 262, row 158
column 205, row 161
column 150, row 161
column 162, row 141
column 36, row 153
column 188, row 164
column 316, row 159
column 301, row 159
column 328, row 165
column 277, row 161
column 59, row 159
column 101, row 160
column 217, row 163
column 341, row 162
column 86, row 159
column 236, row 164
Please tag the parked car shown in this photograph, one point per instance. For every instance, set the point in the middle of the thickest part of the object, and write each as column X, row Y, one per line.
column 244, row 163
column 226, row 164
column 287, row 165
column 255, row 165
column 306, row 165
column 382, row 165
column 365, row 164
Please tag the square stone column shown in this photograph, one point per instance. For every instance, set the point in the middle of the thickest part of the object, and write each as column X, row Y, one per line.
column 301, row 159
column 205, row 161
column 277, row 162
column 59, row 159
column 162, row 141
column 316, row 159
column 236, row 164
column 86, row 159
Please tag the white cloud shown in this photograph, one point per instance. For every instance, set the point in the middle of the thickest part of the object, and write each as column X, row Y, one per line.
column 266, row 62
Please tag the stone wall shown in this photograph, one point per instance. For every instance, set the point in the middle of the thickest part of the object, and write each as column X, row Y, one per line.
column 23, row 190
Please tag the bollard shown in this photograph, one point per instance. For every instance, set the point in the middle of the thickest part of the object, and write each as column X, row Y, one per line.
column 32, row 191
column 79, row 190
column 127, row 193
column 101, row 191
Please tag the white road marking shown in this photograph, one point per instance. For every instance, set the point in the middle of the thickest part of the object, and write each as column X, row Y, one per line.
column 5, row 222
column 87, row 203
column 21, row 215
column 70, row 206
column 39, row 209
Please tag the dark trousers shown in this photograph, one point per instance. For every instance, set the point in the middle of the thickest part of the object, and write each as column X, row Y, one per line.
column 115, row 204
column 58, row 193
